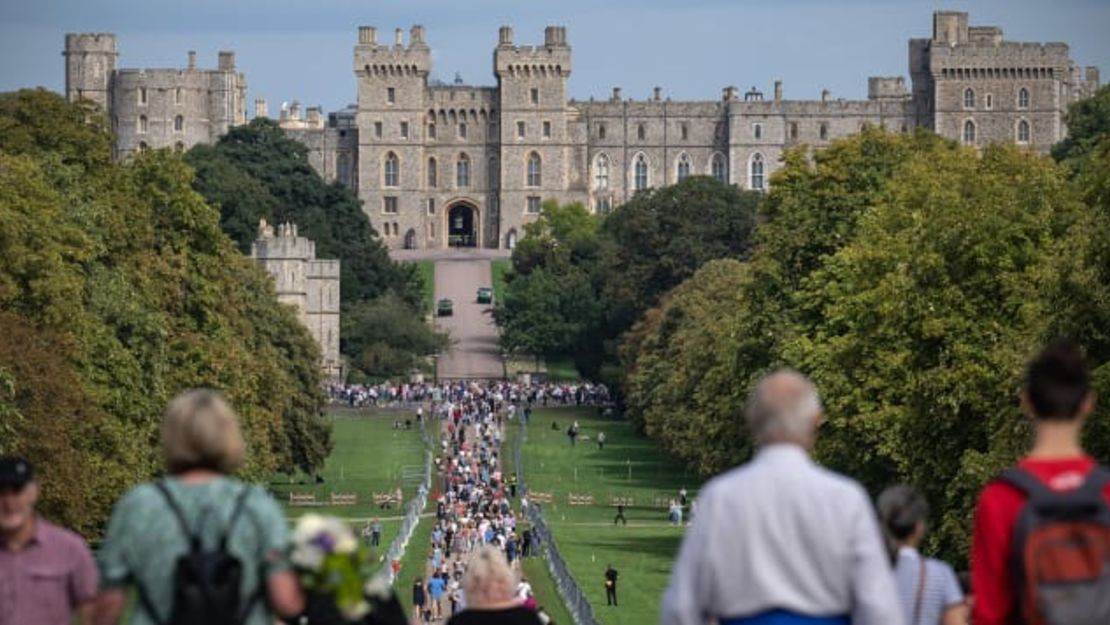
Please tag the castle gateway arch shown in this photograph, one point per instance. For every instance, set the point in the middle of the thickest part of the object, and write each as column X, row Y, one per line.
column 463, row 224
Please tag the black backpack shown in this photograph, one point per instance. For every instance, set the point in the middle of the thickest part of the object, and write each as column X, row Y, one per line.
column 206, row 582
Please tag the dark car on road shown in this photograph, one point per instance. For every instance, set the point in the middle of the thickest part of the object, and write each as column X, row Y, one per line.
column 485, row 295
column 445, row 308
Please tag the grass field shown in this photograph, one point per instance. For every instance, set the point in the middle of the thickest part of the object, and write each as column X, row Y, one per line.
column 629, row 466
column 368, row 456
column 426, row 269
column 498, row 267
column 561, row 369
column 415, row 562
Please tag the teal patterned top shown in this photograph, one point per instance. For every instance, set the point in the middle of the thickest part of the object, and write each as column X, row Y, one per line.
column 144, row 540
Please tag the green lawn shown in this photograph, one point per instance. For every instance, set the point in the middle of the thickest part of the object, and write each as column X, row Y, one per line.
column 415, row 562
column 426, row 269
column 561, row 369
column 368, row 456
column 498, row 268
column 629, row 466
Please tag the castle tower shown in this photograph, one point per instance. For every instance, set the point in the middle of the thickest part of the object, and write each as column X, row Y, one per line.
column 90, row 64
column 391, row 120
column 532, row 85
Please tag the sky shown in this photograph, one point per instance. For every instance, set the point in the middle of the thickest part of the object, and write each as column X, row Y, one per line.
column 302, row 50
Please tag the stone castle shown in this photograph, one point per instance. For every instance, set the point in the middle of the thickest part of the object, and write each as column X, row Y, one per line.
column 440, row 165
column 311, row 286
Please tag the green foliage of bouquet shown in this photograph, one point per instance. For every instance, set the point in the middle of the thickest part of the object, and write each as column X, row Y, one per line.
column 331, row 562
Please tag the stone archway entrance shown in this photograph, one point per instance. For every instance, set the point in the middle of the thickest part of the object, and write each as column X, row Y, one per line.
column 462, row 226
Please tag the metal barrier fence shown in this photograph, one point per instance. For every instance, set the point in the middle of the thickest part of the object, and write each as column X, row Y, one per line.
column 575, row 599
column 415, row 506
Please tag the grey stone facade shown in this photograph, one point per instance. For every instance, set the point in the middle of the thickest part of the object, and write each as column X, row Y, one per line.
column 438, row 165
column 155, row 108
column 306, row 283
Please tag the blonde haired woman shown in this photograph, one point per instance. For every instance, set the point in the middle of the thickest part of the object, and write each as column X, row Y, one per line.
column 198, row 504
column 489, row 587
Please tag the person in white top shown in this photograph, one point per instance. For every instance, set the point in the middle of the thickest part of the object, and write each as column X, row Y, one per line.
column 781, row 539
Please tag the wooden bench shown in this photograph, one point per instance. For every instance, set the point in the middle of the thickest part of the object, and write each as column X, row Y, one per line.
column 580, row 500
column 627, row 502
column 536, row 496
column 302, row 499
column 344, row 499
column 384, row 500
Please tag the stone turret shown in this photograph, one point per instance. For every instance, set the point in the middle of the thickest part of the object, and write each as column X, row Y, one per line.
column 90, row 64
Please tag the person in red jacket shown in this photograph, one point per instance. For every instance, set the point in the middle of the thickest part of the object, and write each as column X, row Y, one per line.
column 1058, row 398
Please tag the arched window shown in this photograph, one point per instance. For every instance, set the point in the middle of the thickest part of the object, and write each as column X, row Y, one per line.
column 391, row 170
column 431, row 130
column 683, row 167
column 1023, row 132
column 755, row 175
column 142, row 124
column 601, row 131
column 433, row 174
column 824, row 131
column 179, row 124
column 969, row 98
column 601, row 175
column 142, row 95
column 969, row 132
column 535, row 177
column 641, row 132
column 718, row 169
column 1023, row 98
column 462, row 171
column 640, row 173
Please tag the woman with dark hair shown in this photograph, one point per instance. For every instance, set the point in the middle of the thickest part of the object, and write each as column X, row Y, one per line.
column 928, row 588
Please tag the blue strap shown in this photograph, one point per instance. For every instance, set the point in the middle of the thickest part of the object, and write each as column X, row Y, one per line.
column 783, row 617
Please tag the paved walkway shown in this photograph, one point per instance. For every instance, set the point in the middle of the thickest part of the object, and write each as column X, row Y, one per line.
column 474, row 352
column 464, row 253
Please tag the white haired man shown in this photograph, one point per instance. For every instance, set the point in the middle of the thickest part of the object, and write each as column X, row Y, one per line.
column 781, row 540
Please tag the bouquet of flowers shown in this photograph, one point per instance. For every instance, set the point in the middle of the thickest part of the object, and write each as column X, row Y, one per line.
column 332, row 563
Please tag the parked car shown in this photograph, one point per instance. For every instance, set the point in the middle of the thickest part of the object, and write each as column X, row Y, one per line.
column 485, row 295
column 445, row 308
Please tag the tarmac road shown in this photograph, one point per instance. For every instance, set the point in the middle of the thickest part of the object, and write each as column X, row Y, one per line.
column 474, row 350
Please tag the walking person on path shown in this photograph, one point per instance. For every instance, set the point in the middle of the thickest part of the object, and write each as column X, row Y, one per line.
column 419, row 599
column 489, row 587
column 620, row 515
column 928, row 588
column 781, row 539
column 375, row 532
column 610, row 585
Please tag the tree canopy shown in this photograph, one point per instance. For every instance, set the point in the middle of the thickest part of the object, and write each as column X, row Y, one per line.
column 119, row 290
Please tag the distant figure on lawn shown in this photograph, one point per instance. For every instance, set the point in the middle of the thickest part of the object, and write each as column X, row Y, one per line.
column 781, row 539
column 601, row 440
column 610, row 585
column 620, row 515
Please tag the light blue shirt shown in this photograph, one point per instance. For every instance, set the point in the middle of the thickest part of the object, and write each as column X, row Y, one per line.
column 782, row 533
column 940, row 591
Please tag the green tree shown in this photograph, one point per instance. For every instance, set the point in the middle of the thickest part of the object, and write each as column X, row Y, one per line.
column 1088, row 122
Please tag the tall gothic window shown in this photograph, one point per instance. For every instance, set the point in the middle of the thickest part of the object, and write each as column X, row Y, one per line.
column 433, row 175
column 1023, row 132
column 969, row 132
column 969, row 98
column 391, row 170
column 1023, row 98
column 640, row 173
column 641, row 132
column 718, row 169
column 683, row 167
column 179, row 124
column 534, row 172
column 462, row 171
column 143, row 125
column 755, row 176
column 602, row 172
column 824, row 131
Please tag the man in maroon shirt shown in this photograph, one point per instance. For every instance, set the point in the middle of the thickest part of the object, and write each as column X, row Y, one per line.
column 46, row 572
column 1058, row 398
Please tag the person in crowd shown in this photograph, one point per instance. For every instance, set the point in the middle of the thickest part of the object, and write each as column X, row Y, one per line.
column 47, row 574
column 610, row 585
column 928, row 588
column 419, row 599
column 153, row 525
column 489, row 586
column 436, row 588
column 1058, row 399
column 781, row 539
column 682, row 496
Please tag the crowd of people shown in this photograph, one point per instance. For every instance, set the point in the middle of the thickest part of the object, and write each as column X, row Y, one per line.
column 777, row 541
column 511, row 394
column 475, row 529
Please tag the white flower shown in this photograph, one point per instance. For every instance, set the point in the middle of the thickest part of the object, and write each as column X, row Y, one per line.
column 307, row 556
column 308, row 526
column 377, row 588
column 356, row 611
